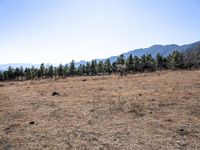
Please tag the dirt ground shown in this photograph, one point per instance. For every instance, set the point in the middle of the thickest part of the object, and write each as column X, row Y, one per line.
column 153, row 111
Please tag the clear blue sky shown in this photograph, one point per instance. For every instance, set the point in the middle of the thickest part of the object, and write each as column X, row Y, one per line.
column 57, row 31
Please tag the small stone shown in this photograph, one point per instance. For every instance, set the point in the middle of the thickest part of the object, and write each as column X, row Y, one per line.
column 32, row 122
column 56, row 94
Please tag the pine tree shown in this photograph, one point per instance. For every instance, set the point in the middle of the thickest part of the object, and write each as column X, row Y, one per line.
column 33, row 72
column 5, row 75
column 175, row 60
column 114, row 67
column 121, row 60
column 84, row 69
column 10, row 73
column 137, row 64
column 130, row 64
column 72, row 68
column 21, row 72
column 80, row 70
column 108, row 66
column 143, row 62
column 88, row 68
column 66, row 70
column 60, row 70
column 100, row 67
column 1, row 76
column 50, row 71
column 150, row 63
column 93, row 67
column 42, row 70
column 55, row 72
column 27, row 73
column 17, row 73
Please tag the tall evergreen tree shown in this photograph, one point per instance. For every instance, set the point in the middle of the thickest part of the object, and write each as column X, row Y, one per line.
column 100, row 67
column 72, row 68
column 84, row 70
column 159, row 61
column 55, row 72
column 10, row 73
column 66, row 70
column 60, row 70
column 5, row 75
column 137, row 64
column 17, row 73
column 130, row 64
column 21, row 72
column 50, row 71
column 114, row 67
column 175, row 60
column 27, row 73
column 42, row 70
column 80, row 70
column 33, row 73
column 150, row 63
column 93, row 67
column 108, row 66
column 88, row 68
column 121, row 60
column 1, row 76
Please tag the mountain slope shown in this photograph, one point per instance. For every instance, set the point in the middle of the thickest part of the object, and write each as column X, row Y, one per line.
column 164, row 50
column 192, row 54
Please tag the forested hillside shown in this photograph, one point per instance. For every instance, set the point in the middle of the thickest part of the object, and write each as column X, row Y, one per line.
column 188, row 59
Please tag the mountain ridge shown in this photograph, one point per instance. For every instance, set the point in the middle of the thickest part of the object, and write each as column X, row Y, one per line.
column 164, row 50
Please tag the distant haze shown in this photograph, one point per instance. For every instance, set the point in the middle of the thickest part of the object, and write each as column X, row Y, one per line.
column 49, row 31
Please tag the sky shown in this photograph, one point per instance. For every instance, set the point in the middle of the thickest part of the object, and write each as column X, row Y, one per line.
column 57, row 31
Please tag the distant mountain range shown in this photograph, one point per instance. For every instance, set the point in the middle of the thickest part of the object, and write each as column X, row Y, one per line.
column 164, row 50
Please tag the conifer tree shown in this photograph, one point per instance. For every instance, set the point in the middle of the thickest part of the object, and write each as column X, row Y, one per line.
column 121, row 60
column 130, row 64
column 72, row 68
column 50, row 71
column 93, row 67
column 108, row 66
column 42, row 70
column 60, row 70
column 100, row 67
column 88, row 68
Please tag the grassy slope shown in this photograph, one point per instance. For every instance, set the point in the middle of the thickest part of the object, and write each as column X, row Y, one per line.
column 142, row 111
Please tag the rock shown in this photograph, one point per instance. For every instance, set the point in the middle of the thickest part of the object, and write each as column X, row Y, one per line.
column 182, row 131
column 56, row 94
column 2, row 85
column 32, row 122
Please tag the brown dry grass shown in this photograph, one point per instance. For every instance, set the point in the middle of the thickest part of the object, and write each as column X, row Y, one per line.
column 142, row 111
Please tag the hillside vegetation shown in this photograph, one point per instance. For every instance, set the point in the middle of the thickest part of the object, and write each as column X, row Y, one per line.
column 188, row 59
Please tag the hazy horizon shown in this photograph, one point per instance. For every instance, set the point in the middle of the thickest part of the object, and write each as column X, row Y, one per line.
column 58, row 31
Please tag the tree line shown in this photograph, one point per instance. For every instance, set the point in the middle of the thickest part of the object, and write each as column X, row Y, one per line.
column 122, row 66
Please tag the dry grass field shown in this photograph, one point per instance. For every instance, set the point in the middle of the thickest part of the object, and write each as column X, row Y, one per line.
column 153, row 111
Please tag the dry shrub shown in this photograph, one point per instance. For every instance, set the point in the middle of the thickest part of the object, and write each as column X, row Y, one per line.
column 2, row 85
column 116, row 105
column 137, row 109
